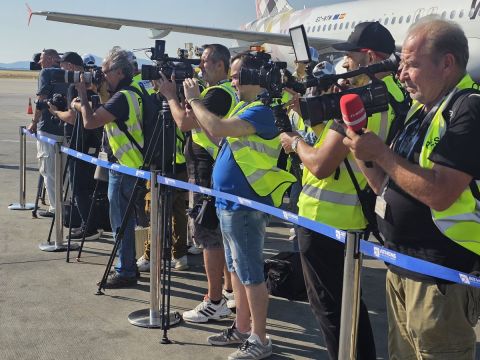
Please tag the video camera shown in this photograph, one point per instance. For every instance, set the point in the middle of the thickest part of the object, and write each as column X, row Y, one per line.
column 181, row 67
column 271, row 75
column 57, row 100
column 317, row 109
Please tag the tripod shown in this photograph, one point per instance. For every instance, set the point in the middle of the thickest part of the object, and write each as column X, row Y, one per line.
column 164, row 130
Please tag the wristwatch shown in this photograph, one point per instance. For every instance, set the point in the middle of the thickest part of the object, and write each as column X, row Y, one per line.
column 295, row 143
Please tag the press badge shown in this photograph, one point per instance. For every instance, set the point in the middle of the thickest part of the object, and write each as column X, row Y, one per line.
column 381, row 207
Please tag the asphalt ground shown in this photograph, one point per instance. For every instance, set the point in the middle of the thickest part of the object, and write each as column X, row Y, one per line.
column 48, row 309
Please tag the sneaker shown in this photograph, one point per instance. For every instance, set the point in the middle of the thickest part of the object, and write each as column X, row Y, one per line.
column 206, row 310
column 230, row 298
column 143, row 264
column 90, row 235
column 46, row 213
column 252, row 349
column 181, row 263
column 115, row 281
column 228, row 336
column 194, row 250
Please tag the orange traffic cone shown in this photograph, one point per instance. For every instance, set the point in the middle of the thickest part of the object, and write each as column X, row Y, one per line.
column 29, row 109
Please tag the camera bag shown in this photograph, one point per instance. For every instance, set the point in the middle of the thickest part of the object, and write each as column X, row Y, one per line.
column 284, row 276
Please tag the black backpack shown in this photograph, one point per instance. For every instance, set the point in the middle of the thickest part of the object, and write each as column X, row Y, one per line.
column 157, row 143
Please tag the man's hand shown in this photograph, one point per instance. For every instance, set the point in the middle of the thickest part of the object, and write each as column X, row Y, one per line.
column 32, row 127
column 168, row 88
column 80, row 86
column 52, row 108
column 366, row 147
column 286, row 140
column 75, row 102
column 191, row 89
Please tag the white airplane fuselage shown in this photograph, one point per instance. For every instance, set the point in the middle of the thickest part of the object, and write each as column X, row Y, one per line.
column 338, row 20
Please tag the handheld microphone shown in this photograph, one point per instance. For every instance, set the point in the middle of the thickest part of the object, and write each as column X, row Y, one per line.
column 354, row 115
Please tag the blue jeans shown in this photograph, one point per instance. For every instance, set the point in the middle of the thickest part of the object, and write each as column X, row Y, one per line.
column 120, row 187
column 243, row 233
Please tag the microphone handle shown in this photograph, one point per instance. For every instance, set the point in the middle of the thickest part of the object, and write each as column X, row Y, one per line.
column 368, row 164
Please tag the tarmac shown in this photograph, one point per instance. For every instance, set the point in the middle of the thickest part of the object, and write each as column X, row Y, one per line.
column 48, row 307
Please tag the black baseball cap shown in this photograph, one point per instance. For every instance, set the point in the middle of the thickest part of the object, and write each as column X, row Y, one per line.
column 72, row 57
column 368, row 35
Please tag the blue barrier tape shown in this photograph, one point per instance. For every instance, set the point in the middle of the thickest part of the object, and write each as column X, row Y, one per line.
column 367, row 248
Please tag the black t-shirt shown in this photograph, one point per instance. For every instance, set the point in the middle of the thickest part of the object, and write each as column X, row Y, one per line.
column 48, row 123
column 199, row 161
column 86, row 139
column 408, row 226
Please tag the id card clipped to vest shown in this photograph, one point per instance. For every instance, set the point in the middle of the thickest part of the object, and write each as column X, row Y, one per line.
column 381, row 204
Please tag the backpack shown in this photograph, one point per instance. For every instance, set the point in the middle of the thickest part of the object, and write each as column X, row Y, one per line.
column 158, row 145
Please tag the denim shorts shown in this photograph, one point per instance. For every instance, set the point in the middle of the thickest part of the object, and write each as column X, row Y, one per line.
column 243, row 233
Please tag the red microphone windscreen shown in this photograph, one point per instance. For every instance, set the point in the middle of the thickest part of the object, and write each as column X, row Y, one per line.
column 353, row 112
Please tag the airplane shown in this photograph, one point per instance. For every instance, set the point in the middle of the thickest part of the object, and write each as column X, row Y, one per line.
column 325, row 25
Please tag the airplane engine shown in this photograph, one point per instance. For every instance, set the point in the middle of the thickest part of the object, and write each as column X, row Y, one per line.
column 159, row 34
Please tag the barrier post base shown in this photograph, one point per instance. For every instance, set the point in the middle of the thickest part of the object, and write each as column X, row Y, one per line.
column 18, row 206
column 52, row 247
column 142, row 318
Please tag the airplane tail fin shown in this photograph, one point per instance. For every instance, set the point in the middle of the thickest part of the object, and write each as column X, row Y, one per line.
column 271, row 7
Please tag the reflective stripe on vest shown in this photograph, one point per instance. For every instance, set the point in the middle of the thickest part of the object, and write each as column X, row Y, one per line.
column 333, row 201
column 198, row 135
column 257, row 159
column 461, row 221
column 126, row 152
column 179, row 147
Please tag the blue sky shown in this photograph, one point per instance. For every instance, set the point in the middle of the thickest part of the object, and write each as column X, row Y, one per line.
column 18, row 41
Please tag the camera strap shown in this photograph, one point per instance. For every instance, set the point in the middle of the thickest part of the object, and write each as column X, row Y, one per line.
column 123, row 127
column 369, row 215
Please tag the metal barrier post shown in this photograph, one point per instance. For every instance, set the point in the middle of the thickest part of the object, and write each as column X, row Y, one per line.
column 60, row 244
column 23, row 179
column 350, row 297
column 151, row 318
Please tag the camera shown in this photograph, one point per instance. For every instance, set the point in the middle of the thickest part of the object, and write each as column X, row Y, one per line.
column 65, row 76
column 34, row 65
column 317, row 109
column 57, row 100
column 180, row 67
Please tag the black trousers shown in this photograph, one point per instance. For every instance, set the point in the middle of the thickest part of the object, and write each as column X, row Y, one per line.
column 322, row 264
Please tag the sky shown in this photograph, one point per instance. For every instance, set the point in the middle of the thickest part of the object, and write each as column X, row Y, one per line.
column 19, row 42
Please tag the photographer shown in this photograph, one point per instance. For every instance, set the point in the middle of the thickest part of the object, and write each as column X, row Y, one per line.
column 329, row 195
column 82, row 140
column 219, row 98
column 121, row 107
column 45, row 124
column 428, row 203
column 245, row 166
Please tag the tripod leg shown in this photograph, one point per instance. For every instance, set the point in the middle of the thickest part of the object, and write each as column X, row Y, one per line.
column 87, row 224
column 40, row 188
column 119, row 234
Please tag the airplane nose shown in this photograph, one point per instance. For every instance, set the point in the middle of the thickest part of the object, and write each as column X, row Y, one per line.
column 473, row 66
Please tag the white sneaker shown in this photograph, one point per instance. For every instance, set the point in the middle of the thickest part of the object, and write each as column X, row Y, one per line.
column 206, row 310
column 230, row 298
column 143, row 264
column 194, row 250
column 180, row 264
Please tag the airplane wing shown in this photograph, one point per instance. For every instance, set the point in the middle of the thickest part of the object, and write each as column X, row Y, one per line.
column 162, row 29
